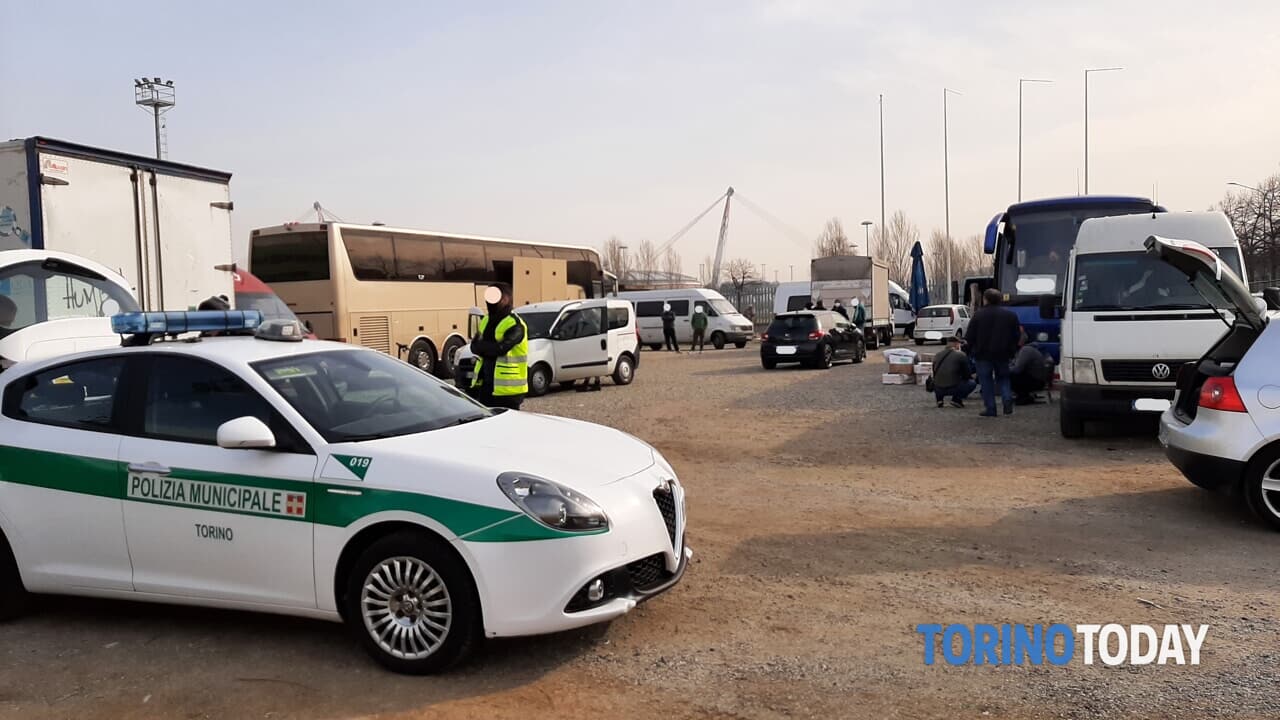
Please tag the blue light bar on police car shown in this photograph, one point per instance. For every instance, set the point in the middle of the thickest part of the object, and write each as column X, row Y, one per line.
column 156, row 323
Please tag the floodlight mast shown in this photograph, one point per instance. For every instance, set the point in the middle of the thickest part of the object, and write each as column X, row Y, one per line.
column 157, row 97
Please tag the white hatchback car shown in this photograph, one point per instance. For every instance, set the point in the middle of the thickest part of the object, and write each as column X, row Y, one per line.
column 946, row 319
column 323, row 480
column 1223, row 427
column 571, row 341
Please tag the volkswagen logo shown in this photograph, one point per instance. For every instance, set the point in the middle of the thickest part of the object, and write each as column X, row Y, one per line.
column 1160, row 371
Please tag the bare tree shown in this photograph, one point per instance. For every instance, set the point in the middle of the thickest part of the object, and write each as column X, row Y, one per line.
column 647, row 260
column 893, row 246
column 833, row 241
column 967, row 259
column 1255, row 217
column 671, row 264
column 740, row 271
column 616, row 258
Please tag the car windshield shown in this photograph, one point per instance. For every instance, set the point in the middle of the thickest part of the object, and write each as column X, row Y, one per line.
column 938, row 311
column 1138, row 281
column 792, row 323
column 39, row 291
column 349, row 396
column 723, row 307
column 270, row 305
column 539, row 323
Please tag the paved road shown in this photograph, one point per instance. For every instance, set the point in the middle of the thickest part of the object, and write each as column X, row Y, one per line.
column 830, row 515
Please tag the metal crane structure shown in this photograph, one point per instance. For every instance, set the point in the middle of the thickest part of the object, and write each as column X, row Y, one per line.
column 727, row 197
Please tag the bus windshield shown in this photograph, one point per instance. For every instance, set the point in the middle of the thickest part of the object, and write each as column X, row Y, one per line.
column 1031, row 259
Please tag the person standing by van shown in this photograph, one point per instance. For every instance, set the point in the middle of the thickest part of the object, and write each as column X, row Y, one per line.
column 993, row 338
column 699, row 324
column 501, row 347
column 669, row 328
column 859, row 314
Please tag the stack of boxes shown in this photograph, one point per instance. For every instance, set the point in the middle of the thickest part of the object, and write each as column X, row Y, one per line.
column 902, row 367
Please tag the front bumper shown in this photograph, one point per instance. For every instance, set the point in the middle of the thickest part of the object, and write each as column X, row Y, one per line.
column 739, row 335
column 530, row 588
column 1102, row 401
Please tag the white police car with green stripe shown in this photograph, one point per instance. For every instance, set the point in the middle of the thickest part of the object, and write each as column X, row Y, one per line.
column 322, row 480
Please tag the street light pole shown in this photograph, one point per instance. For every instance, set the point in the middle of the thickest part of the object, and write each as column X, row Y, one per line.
column 866, row 226
column 881, row 167
column 1270, row 211
column 1020, row 83
column 1086, row 121
column 946, row 185
column 793, row 271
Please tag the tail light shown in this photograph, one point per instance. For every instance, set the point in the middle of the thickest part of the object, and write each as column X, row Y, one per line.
column 1219, row 393
column 816, row 335
column 764, row 336
column 953, row 315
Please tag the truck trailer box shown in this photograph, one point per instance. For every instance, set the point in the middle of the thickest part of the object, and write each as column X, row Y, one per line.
column 164, row 226
column 844, row 277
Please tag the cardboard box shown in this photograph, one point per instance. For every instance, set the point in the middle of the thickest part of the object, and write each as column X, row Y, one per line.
column 902, row 369
column 922, row 379
column 924, row 357
column 924, row 368
column 896, row 379
column 899, row 355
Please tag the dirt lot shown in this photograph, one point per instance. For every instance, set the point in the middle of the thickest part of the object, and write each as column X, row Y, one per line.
column 830, row 515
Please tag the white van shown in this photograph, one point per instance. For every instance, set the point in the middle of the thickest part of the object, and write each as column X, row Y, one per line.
column 904, row 316
column 724, row 323
column 791, row 296
column 570, row 341
column 60, row 303
column 1130, row 321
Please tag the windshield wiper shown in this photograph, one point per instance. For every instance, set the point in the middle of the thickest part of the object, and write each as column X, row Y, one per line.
column 467, row 419
column 368, row 436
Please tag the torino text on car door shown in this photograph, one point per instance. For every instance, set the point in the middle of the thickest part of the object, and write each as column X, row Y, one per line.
column 60, row 485
column 208, row 521
column 581, row 345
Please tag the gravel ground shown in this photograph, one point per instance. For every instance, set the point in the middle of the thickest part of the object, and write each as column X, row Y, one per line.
column 830, row 515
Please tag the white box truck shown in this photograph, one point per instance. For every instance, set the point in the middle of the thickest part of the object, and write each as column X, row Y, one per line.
column 845, row 277
column 164, row 226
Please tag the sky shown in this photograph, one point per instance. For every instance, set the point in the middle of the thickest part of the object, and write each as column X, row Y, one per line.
column 576, row 121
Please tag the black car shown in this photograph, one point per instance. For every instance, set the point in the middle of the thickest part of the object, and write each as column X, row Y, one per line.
column 814, row 338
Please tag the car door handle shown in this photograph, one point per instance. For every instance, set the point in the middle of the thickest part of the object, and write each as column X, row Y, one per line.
column 604, row 344
column 150, row 468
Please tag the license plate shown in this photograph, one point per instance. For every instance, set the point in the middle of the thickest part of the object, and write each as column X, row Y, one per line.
column 785, row 350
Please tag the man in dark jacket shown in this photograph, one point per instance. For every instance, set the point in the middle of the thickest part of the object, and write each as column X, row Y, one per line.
column 1030, row 373
column 951, row 374
column 993, row 339
column 669, row 328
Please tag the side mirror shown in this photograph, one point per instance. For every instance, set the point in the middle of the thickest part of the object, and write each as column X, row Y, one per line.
column 245, row 432
column 1049, row 308
column 307, row 324
column 1272, row 296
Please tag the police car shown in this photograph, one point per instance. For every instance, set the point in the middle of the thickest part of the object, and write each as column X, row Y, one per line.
column 323, row 480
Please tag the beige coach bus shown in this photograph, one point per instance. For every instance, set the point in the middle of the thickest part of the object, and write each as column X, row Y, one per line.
column 408, row 292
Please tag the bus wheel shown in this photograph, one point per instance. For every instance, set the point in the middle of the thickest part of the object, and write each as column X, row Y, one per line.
column 449, row 360
column 422, row 356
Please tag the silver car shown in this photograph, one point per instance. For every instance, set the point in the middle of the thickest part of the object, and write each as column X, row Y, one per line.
column 1223, row 427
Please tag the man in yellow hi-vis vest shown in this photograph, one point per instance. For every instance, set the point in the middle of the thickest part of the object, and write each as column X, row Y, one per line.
column 502, row 353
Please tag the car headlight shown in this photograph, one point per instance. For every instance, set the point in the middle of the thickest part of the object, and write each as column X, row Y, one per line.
column 553, row 504
column 1083, row 372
